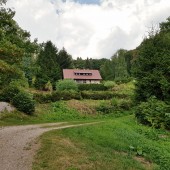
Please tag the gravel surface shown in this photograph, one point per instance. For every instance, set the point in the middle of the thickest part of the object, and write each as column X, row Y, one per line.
column 18, row 144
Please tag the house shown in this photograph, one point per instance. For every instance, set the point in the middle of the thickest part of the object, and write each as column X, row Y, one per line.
column 82, row 76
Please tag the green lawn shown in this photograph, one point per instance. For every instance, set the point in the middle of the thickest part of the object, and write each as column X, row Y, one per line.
column 117, row 144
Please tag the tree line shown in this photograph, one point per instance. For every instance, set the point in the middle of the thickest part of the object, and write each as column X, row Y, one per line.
column 41, row 65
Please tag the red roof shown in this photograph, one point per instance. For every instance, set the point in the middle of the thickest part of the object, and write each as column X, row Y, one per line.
column 81, row 74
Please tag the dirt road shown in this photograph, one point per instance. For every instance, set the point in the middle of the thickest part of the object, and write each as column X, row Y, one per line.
column 18, row 144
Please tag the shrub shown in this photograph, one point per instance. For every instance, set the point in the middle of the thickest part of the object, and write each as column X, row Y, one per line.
column 123, row 80
column 48, row 86
column 97, row 95
column 20, row 83
column 104, row 108
column 65, row 95
column 56, row 96
column 93, row 87
column 121, row 104
column 24, row 102
column 154, row 112
column 66, row 84
column 9, row 92
column 42, row 98
column 109, row 84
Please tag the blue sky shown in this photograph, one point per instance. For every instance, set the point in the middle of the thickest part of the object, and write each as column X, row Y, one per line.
column 96, row 30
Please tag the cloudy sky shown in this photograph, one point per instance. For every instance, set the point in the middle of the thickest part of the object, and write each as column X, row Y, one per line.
column 90, row 28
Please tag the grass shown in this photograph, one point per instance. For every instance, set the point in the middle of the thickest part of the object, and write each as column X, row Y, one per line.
column 73, row 110
column 116, row 144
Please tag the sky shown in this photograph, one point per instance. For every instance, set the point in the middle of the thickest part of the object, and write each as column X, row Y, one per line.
column 90, row 28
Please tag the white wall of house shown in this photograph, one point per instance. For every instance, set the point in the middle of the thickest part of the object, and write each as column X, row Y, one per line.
column 88, row 81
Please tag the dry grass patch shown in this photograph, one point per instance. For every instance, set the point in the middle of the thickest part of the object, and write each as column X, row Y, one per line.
column 81, row 107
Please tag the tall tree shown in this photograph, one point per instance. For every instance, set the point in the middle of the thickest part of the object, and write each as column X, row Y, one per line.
column 79, row 63
column 120, row 64
column 49, row 69
column 88, row 64
column 152, row 69
column 64, row 59
column 15, row 44
column 107, row 70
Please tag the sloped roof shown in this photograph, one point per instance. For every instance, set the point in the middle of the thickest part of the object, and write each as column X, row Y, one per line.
column 73, row 74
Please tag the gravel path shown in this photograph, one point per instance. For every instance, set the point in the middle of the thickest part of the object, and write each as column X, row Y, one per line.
column 18, row 144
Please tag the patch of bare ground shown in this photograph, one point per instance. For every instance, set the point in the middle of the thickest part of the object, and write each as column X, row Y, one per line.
column 147, row 164
column 81, row 107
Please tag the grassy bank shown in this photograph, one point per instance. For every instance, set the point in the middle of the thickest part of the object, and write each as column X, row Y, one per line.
column 72, row 110
column 117, row 144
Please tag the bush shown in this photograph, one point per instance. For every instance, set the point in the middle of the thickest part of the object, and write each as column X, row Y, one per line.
column 104, row 108
column 66, row 84
column 154, row 112
column 109, row 84
column 20, row 83
column 93, row 87
column 9, row 93
column 42, row 98
column 65, row 95
column 24, row 102
column 121, row 104
column 123, row 80
column 97, row 95
column 56, row 96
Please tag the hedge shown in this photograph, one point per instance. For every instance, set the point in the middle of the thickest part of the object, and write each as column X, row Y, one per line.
column 56, row 96
column 92, row 87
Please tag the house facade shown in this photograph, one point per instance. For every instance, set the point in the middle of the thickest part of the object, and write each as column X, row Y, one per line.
column 82, row 76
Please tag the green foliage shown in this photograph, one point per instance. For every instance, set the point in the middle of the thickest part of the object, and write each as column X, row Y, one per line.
column 24, row 102
column 118, row 68
column 48, row 86
column 97, row 95
column 9, row 73
column 114, row 106
column 15, row 45
column 94, row 64
column 49, row 69
column 93, row 87
column 41, row 80
column 109, row 84
column 66, row 84
column 64, row 59
column 154, row 112
column 152, row 69
column 117, row 144
column 66, row 95
column 23, row 83
column 105, row 108
column 56, row 96
column 9, row 93
column 122, row 104
column 62, row 112
column 107, row 70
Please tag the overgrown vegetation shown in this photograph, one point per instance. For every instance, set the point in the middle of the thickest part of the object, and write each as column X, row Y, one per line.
column 154, row 112
column 118, row 144
column 66, row 85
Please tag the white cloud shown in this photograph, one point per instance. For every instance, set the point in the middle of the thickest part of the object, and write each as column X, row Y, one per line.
column 90, row 30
